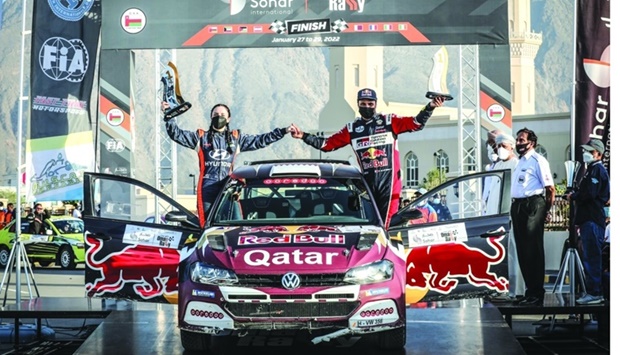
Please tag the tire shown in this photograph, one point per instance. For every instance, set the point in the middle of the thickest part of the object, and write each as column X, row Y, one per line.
column 195, row 341
column 394, row 339
column 66, row 259
column 45, row 263
column 5, row 253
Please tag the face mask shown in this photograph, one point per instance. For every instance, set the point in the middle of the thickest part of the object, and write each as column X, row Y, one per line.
column 606, row 212
column 588, row 157
column 491, row 154
column 422, row 203
column 436, row 201
column 522, row 148
column 218, row 122
column 367, row 112
column 503, row 153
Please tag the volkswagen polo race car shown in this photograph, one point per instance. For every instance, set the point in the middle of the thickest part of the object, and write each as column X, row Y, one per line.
column 290, row 245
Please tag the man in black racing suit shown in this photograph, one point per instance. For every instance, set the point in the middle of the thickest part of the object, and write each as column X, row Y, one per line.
column 216, row 150
column 373, row 137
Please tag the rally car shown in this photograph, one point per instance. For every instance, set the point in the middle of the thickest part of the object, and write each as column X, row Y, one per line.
column 63, row 244
column 295, row 245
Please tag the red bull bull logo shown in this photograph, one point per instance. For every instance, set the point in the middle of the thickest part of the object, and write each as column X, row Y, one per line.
column 152, row 271
column 438, row 267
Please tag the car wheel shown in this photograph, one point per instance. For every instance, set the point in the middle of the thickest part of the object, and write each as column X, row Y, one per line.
column 394, row 339
column 5, row 253
column 45, row 263
column 195, row 341
column 66, row 258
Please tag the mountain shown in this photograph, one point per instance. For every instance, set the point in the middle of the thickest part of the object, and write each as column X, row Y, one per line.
column 269, row 88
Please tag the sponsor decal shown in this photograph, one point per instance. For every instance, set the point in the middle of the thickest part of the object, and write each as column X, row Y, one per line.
column 133, row 20
column 64, row 59
column 439, row 267
column 115, row 117
column 58, row 105
column 449, row 233
column 295, row 239
column 264, row 229
column 369, row 322
column 74, row 10
column 266, row 7
column 359, row 129
column 308, row 26
column 347, row 5
column 496, row 112
column 203, row 293
column 297, row 257
column 219, row 154
column 114, row 145
column 377, row 291
column 372, row 141
column 151, row 236
column 373, row 153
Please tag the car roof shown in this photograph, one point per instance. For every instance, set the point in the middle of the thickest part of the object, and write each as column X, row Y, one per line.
column 296, row 168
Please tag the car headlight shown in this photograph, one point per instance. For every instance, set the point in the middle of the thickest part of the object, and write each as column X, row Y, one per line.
column 376, row 272
column 210, row 275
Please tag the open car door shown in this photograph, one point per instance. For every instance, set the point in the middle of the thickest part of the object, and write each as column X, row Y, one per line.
column 462, row 251
column 133, row 235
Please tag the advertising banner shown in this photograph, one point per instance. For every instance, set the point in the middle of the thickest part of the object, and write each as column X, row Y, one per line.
column 60, row 147
column 301, row 23
column 592, row 101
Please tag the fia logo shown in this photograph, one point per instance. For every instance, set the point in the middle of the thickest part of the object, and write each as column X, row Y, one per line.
column 341, row 5
column 74, row 10
column 62, row 59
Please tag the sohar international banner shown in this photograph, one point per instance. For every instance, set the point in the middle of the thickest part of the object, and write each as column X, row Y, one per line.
column 592, row 75
column 60, row 147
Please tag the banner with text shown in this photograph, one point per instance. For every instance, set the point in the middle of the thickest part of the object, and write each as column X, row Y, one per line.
column 65, row 39
column 592, row 101
column 301, row 23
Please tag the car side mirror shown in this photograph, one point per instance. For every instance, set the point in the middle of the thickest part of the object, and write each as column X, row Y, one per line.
column 405, row 217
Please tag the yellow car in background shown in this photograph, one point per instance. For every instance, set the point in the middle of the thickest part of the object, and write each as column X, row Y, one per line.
column 63, row 244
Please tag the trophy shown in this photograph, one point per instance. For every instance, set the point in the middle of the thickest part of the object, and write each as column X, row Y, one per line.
column 172, row 93
column 432, row 94
column 572, row 167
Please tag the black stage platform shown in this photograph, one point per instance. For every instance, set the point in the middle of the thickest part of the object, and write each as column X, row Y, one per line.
column 456, row 327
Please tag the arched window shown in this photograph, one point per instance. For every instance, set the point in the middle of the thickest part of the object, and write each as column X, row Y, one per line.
column 541, row 150
column 412, row 177
column 442, row 162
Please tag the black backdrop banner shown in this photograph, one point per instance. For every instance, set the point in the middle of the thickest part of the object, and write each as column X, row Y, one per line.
column 60, row 147
column 301, row 23
column 592, row 102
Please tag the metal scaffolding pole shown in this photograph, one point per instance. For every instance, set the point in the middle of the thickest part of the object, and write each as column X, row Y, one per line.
column 469, row 122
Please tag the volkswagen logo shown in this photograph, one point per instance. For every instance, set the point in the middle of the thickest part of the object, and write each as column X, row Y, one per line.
column 219, row 154
column 291, row 281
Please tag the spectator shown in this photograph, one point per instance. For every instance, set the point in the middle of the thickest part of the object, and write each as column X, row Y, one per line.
column 439, row 203
column 10, row 213
column 428, row 212
column 76, row 211
column 374, row 139
column 533, row 192
column 2, row 214
column 37, row 220
column 590, row 199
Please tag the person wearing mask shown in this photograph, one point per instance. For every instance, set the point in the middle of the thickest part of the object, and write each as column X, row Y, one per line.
column 439, row 203
column 533, row 193
column 37, row 220
column 373, row 137
column 589, row 201
column 428, row 212
column 504, row 148
column 217, row 148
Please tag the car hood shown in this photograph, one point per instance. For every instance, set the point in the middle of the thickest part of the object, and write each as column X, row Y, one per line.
column 280, row 249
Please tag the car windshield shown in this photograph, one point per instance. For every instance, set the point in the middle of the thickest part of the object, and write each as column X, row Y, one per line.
column 295, row 200
column 69, row 226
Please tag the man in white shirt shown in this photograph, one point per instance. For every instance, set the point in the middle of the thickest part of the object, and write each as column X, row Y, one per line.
column 533, row 192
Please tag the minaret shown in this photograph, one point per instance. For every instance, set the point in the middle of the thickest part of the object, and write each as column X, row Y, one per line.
column 523, row 47
column 351, row 69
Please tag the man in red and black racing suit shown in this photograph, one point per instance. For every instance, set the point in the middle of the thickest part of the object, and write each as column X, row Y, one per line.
column 216, row 150
column 373, row 137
